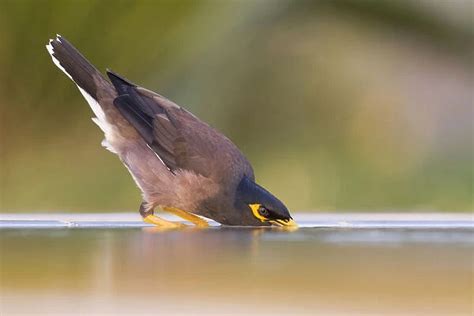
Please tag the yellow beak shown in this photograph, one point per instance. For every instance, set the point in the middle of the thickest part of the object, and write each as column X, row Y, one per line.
column 284, row 223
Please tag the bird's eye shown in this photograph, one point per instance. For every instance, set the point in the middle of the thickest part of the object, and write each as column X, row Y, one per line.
column 263, row 211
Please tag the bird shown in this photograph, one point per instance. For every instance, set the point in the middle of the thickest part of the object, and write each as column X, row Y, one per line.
column 181, row 164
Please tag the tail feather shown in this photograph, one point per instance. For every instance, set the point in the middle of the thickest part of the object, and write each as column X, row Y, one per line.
column 87, row 78
column 75, row 65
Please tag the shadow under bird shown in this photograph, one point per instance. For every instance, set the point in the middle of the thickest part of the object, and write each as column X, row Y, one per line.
column 180, row 163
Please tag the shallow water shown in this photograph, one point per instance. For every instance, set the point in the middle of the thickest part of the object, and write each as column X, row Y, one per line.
column 390, row 270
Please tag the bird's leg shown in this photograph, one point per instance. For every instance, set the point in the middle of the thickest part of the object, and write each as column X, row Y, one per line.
column 196, row 220
column 148, row 217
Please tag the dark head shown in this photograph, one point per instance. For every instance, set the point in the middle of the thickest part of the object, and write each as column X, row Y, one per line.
column 261, row 204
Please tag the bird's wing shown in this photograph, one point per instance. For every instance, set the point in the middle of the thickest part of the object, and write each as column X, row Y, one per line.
column 178, row 138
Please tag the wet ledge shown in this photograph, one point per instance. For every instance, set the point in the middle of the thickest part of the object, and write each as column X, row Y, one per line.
column 305, row 220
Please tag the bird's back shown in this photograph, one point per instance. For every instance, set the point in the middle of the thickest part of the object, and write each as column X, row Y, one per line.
column 180, row 139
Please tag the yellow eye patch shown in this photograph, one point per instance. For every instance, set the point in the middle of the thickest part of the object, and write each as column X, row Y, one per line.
column 255, row 212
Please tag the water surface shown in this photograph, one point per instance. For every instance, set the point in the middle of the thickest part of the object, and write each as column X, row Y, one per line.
column 325, row 271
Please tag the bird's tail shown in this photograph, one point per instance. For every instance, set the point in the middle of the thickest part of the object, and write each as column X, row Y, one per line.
column 76, row 66
column 92, row 84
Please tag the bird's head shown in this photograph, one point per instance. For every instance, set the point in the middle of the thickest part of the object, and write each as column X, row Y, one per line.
column 262, row 205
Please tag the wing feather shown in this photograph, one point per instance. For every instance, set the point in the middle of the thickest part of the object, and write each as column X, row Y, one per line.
column 179, row 138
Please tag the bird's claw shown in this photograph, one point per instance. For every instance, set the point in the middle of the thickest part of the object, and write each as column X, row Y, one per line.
column 162, row 223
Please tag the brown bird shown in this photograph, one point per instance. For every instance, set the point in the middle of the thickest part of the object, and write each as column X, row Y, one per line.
column 180, row 163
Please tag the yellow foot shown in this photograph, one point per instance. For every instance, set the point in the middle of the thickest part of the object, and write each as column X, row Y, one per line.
column 196, row 220
column 155, row 220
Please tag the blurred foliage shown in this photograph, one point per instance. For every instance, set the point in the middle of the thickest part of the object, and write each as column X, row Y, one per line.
column 340, row 105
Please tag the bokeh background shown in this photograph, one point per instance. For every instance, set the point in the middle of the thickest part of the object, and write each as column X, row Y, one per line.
column 340, row 105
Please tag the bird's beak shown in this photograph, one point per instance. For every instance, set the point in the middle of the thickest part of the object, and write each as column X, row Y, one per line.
column 284, row 223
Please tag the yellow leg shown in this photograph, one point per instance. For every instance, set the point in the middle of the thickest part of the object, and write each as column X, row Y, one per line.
column 146, row 211
column 196, row 220
column 155, row 220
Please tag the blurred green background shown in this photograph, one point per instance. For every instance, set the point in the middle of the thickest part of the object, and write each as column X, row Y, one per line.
column 340, row 105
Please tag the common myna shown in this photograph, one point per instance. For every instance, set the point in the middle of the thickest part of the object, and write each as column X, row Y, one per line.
column 180, row 163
